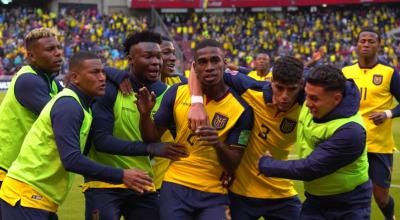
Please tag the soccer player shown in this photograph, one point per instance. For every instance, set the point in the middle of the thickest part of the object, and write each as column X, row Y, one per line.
column 168, row 75
column 116, row 131
column 39, row 179
column 31, row 88
column 167, row 70
column 160, row 165
column 332, row 138
column 261, row 70
column 276, row 108
column 192, row 188
column 378, row 84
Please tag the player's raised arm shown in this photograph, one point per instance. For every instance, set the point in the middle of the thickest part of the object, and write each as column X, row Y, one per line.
column 145, row 102
column 197, row 114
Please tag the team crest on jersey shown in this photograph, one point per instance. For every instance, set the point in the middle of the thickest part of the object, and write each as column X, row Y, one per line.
column 219, row 121
column 287, row 125
column 377, row 79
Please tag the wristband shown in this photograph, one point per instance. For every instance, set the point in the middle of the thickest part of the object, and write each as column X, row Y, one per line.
column 196, row 99
column 388, row 113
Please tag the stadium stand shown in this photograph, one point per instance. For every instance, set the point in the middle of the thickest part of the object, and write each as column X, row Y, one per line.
column 84, row 30
column 291, row 32
column 299, row 33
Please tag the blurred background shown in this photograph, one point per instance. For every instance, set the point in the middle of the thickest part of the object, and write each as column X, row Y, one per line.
column 325, row 29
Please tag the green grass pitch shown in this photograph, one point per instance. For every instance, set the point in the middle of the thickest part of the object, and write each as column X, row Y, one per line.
column 74, row 206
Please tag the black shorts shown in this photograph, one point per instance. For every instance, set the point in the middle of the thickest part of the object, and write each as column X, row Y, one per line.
column 380, row 169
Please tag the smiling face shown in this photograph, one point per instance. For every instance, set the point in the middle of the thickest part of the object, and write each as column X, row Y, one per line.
column 168, row 57
column 145, row 61
column 209, row 65
column 319, row 101
column 46, row 54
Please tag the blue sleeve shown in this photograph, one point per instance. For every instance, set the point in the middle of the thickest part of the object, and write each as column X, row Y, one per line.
column 345, row 146
column 103, row 126
column 241, row 82
column 183, row 79
column 244, row 70
column 164, row 116
column 115, row 75
column 395, row 90
column 32, row 92
column 240, row 133
column 67, row 137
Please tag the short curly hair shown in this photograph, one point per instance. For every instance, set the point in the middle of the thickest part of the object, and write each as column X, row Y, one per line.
column 329, row 77
column 288, row 70
column 138, row 37
column 37, row 34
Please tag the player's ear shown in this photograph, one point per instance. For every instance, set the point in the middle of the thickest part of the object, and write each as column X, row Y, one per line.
column 130, row 58
column 30, row 56
column 338, row 97
column 73, row 77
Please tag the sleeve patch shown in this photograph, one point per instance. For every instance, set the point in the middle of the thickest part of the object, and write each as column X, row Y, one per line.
column 244, row 137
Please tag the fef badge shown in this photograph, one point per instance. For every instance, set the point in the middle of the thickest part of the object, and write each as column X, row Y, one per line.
column 287, row 125
column 219, row 121
column 377, row 79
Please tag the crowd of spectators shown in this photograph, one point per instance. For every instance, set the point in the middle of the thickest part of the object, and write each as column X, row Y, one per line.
column 301, row 33
column 330, row 31
column 87, row 30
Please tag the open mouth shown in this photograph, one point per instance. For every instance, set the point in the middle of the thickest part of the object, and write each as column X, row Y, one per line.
column 153, row 73
column 210, row 77
column 58, row 62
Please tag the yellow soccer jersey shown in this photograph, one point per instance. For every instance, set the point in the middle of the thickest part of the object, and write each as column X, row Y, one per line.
column 272, row 131
column 376, row 96
column 2, row 174
column 172, row 80
column 253, row 74
column 13, row 191
column 201, row 170
column 159, row 164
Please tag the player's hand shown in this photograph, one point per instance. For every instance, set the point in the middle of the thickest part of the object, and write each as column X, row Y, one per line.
column 197, row 116
column 377, row 117
column 137, row 180
column 226, row 180
column 232, row 66
column 145, row 100
column 274, row 102
column 267, row 153
column 126, row 87
column 173, row 151
column 209, row 135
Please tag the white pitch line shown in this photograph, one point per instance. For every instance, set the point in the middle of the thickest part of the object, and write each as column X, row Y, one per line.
column 395, row 186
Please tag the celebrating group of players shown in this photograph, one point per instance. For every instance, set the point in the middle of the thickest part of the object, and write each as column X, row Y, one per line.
column 153, row 146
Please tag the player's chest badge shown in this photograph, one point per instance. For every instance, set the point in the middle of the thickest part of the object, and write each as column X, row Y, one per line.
column 219, row 121
column 377, row 79
column 287, row 125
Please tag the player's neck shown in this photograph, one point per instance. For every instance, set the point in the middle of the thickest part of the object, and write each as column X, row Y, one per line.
column 367, row 62
column 139, row 80
column 262, row 72
column 215, row 91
